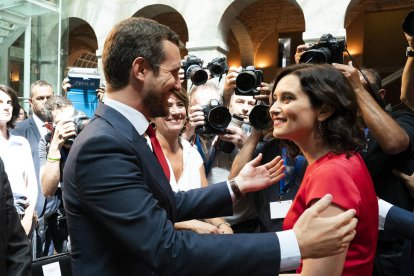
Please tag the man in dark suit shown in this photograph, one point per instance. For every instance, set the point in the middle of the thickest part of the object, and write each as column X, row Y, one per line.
column 398, row 221
column 14, row 246
column 33, row 129
column 119, row 204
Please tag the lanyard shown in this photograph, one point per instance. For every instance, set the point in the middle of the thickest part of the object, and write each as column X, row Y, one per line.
column 283, row 186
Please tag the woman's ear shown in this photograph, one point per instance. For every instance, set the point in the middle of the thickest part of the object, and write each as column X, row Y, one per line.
column 138, row 68
column 325, row 112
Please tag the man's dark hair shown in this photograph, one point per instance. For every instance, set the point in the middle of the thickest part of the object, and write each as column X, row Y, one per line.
column 38, row 83
column 132, row 38
column 53, row 103
column 342, row 132
column 15, row 104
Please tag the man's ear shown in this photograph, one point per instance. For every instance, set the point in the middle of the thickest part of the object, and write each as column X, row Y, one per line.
column 139, row 68
column 382, row 93
column 325, row 112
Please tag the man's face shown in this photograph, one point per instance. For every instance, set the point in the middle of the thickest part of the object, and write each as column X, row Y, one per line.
column 203, row 96
column 64, row 114
column 157, row 88
column 40, row 94
column 241, row 106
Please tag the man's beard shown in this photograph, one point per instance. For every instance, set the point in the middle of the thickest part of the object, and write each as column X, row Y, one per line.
column 156, row 104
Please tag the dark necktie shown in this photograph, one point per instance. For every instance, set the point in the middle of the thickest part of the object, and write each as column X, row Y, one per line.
column 156, row 147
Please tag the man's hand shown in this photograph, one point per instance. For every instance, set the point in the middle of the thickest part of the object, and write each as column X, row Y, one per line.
column 66, row 86
column 253, row 177
column 410, row 41
column 321, row 237
column 408, row 180
column 234, row 135
column 352, row 74
column 181, row 75
column 265, row 90
column 63, row 130
column 195, row 119
column 299, row 52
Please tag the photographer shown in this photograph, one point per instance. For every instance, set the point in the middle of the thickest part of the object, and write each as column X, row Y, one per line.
column 53, row 150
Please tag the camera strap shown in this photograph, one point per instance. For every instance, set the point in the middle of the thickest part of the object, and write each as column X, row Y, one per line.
column 283, row 186
column 211, row 155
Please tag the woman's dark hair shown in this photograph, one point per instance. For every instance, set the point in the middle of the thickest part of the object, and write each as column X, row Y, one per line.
column 342, row 132
column 15, row 104
column 182, row 95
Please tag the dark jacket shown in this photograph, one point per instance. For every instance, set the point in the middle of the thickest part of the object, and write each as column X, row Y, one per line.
column 121, row 210
column 15, row 254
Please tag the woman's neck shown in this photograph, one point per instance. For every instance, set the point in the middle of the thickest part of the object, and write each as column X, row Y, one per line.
column 313, row 150
column 169, row 142
column 4, row 131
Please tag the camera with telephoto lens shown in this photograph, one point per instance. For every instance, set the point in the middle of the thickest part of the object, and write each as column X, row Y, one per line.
column 80, row 120
column 248, row 81
column 216, row 118
column 328, row 50
column 193, row 70
column 218, row 67
column 408, row 24
column 259, row 117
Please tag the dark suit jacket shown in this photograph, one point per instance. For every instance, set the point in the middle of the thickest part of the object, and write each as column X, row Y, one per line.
column 28, row 129
column 15, row 256
column 401, row 222
column 121, row 209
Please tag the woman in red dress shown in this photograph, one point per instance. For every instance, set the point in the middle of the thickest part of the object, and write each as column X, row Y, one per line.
column 315, row 107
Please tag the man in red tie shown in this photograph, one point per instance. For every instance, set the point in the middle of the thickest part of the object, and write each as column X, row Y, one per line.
column 119, row 204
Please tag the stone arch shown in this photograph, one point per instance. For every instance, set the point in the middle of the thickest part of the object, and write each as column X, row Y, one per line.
column 168, row 16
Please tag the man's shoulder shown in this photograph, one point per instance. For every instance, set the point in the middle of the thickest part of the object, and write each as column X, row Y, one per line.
column 23, row 125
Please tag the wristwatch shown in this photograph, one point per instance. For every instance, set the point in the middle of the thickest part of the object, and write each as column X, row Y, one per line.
column 409, row 52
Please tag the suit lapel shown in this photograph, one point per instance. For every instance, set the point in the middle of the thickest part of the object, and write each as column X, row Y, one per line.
column 33, row 127
column 159, row 184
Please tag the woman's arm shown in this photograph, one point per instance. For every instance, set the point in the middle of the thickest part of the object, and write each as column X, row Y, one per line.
column 330, row 265
column 31, row 186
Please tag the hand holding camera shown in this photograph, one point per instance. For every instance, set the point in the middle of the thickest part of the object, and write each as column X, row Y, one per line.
column 62, row 131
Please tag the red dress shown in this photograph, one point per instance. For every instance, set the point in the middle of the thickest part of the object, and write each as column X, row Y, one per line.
column 349, row 181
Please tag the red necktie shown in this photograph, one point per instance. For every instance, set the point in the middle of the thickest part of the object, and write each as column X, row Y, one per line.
column 156, row 147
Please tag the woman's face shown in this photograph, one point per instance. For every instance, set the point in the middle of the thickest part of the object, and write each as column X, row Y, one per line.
column 6, row 108
column 293, row 116
column 175, row 120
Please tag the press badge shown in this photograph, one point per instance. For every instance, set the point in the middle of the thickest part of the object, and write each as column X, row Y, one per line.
column 279, row 209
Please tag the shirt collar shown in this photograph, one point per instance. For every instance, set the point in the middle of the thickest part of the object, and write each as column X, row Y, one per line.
column 136, row 118
column 40, row 125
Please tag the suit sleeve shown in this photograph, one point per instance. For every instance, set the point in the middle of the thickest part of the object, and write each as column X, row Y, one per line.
column 113, row 189
column 400, row 221
column 18, row 255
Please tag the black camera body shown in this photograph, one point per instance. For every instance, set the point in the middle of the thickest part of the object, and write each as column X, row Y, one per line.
column 216, row 118
column 193, row 70
column 218, row 67
column 328, row 50
column 259, row 117
column 248, row 81
column 80, row 120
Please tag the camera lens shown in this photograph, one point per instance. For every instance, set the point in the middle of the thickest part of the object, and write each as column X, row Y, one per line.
column 408, row 24
column 316, row 56
column 219, row 117
column 216, row 70
column 197, row 75
column 259, row 117
column 246, row 81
